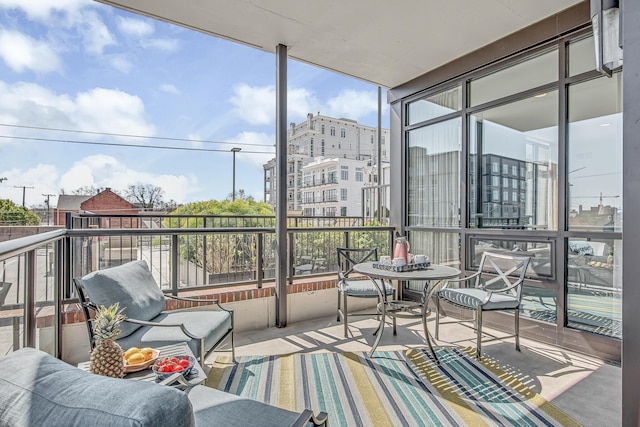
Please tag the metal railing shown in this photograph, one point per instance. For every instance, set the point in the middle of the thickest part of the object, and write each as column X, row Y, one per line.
column 36, row 272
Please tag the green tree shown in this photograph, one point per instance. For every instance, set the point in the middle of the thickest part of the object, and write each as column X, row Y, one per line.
column 222, row 252
column 12, row 214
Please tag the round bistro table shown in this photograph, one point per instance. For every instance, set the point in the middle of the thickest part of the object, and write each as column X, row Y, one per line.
column 432, row 276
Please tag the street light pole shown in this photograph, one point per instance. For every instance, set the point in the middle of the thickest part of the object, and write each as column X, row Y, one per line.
column 24, row 190
column 234, row 150
column 48, row 206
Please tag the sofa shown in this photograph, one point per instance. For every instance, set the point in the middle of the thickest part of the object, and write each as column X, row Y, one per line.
column 36, row 389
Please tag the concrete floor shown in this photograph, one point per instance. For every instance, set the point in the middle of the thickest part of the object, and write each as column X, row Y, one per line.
column 587, row 389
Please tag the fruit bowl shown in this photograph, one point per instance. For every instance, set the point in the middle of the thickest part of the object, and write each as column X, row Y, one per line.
column 135, row 367
column 168, row 366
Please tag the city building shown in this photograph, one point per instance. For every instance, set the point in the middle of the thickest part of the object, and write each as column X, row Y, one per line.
column 105, row 202
column 326, row 137
column 333, row 187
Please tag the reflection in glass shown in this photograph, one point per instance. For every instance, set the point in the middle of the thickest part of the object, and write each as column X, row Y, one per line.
column 540, row 253
column 594, row 286
column 595, row 155
column 433, row 106
column 441, row 248
column 581, row 56
column 434, row 174
column 518, row 143
column 532, row 73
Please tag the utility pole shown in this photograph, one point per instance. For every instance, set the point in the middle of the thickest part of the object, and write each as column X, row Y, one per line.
column 24, row 189
column 234, row 150
column 48, row 207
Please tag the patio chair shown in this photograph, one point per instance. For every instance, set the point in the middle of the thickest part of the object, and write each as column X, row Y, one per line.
column 357, row 288
column 497, row 286
column 147, row 324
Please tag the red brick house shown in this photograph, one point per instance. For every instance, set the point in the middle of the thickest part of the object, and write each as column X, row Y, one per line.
column 105, row 202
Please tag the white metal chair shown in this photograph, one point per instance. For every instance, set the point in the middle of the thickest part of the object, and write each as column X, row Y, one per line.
column 358, row 288
column 497, row 286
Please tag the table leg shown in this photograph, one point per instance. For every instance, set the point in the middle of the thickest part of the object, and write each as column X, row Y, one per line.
column 383, row 302
column 426, row 297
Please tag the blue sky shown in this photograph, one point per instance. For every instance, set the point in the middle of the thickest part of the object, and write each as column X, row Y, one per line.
column 78, row 65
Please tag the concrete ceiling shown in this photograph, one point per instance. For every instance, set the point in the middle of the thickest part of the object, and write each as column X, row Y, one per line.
column 384, row 42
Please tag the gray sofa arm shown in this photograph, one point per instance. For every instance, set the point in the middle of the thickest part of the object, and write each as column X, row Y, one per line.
column 213, row 407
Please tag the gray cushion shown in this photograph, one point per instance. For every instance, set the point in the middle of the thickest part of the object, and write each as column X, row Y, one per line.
column 37, row 389
column 214, row 407
column 210, row 324
column 362, row 288
column 130, row 284
column 472, row 297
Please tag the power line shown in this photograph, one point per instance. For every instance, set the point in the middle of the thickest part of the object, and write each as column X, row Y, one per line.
column 164, row 138
column 115, row 144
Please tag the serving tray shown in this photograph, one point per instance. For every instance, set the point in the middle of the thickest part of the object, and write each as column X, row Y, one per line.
column 402, row 268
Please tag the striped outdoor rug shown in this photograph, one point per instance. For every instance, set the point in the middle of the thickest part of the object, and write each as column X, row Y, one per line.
column 403, row 388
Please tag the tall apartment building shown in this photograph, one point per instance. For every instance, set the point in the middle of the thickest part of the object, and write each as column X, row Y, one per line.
column 329, row 138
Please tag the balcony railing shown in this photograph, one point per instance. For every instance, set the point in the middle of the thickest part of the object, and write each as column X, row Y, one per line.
column 184, row 253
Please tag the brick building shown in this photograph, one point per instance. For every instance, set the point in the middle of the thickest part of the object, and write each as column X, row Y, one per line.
column 105, row 202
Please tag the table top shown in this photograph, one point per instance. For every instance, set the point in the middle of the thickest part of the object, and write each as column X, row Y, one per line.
column 195, row 377
column 433, row 272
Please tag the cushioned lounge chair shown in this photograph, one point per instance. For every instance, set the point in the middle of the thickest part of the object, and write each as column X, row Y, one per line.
column 147, row 324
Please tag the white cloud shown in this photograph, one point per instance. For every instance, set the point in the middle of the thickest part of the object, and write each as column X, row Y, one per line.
column 108, row 110
column 256, row 160
column 42, row 9
column 353, row 104
column 97, row 170
column 97, row 110
column 169, row 45
column 77, row 14
column 169, row 88
column 121, row 63
column 21, row 52
column 95, row 33
column 256, row 105
column 41, row 177
column 135, row 27
column 106, row 171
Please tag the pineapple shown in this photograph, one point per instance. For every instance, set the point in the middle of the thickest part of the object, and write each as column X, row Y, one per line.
column 106, row 357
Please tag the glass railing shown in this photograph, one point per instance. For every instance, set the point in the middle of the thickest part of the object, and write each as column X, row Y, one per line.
column 183, row 253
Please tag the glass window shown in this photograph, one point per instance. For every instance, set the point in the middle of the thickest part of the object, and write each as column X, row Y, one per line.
column 344, row 173
column 359, row 175
column 540, row 253
column 433, row 106
column 441, row 248
column 343, row 133
column 434, row 174
column 529, row 74
column 333, row 131
column 343, row 194
column 595, row 155
column 522, row 134
column 594, row 286
column 582, row 56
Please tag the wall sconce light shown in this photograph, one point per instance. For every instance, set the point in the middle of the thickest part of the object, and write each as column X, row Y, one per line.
column 606, row 18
